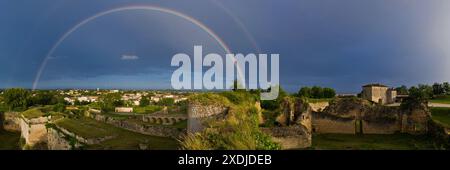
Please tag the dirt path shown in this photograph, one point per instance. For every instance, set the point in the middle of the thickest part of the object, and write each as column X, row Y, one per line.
column 438, row 105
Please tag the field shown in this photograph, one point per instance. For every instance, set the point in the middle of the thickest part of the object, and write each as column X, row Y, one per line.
column 86, row 127
column 441, row 99
column 441, row 115
column 33, row 113
column 371, row 142
column 147, row 109
column 123, row 139
column 9, row 140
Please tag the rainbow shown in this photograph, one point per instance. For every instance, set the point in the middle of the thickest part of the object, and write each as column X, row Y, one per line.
column 134, row 7
column 240, row 24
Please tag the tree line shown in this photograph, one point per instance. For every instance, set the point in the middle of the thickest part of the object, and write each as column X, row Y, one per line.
column 316, row 92
column 429, row 91
column 422, row 93
column 18, row 99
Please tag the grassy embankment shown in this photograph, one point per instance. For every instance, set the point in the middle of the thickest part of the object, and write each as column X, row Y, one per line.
column 147, row 109
column 40, row 112
column 441, row 116
column 123, row 139
column 237, row 130
column 441, row 99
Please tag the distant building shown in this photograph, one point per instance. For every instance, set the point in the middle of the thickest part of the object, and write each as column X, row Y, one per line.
column 169, row 96
column 124, row 109
column 155, row 99
column 180, row 99
column 69, row 100
column 379, row 93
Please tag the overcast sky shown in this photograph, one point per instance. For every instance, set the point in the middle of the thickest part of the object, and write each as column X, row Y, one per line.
column 341, row 44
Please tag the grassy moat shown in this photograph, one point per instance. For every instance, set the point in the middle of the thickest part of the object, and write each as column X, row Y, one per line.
column 9, row 140
column 122, row 139
column 371, row 142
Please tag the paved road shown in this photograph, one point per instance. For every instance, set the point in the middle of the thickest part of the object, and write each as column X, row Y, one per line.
column 429, row 105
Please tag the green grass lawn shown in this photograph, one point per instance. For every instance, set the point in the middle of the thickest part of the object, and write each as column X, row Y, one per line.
column 33, row 113
column 117, row 116
column 86, row 127
column 130, row 140
column 9, row 140
column 124, row 139
column 371, row 142
column 41, row 111
column 311, row 100
column 147, row 109
column 441, row 115
column 441, row 99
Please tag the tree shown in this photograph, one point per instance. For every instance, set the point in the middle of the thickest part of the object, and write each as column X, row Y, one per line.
column 417, row 96
column 316, row 92
column 438, row 89
column 110, row 101
column 425, row 90
column 402, row 90
column 60, row 107
column 304, row 92
column 167, row 101
column 44, row 98
column 144, row 101
column 329, row 92
column 446, row 87
column 16, row 98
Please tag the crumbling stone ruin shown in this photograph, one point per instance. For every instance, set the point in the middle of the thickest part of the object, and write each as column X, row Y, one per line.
column 295, row 121
column 10, row 121
column 32, row 130
column 198, row 114
column 165, row 119
column 359, row 116
column 141, row 126
column 295, row 124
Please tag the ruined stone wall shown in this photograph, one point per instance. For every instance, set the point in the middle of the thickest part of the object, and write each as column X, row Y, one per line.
column 154, row 130
column 198, row 113
column 291, row 137
column 10, row 121
column 380, row 128
column 329, row 124
column 318, row 106
column 294, row 124
column 416, row 121
column 56, row 140
column 34, row 130
column 358, row 116
column 62, row 139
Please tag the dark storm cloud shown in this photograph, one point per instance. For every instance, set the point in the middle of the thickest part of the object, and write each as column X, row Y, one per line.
column 341, row 44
